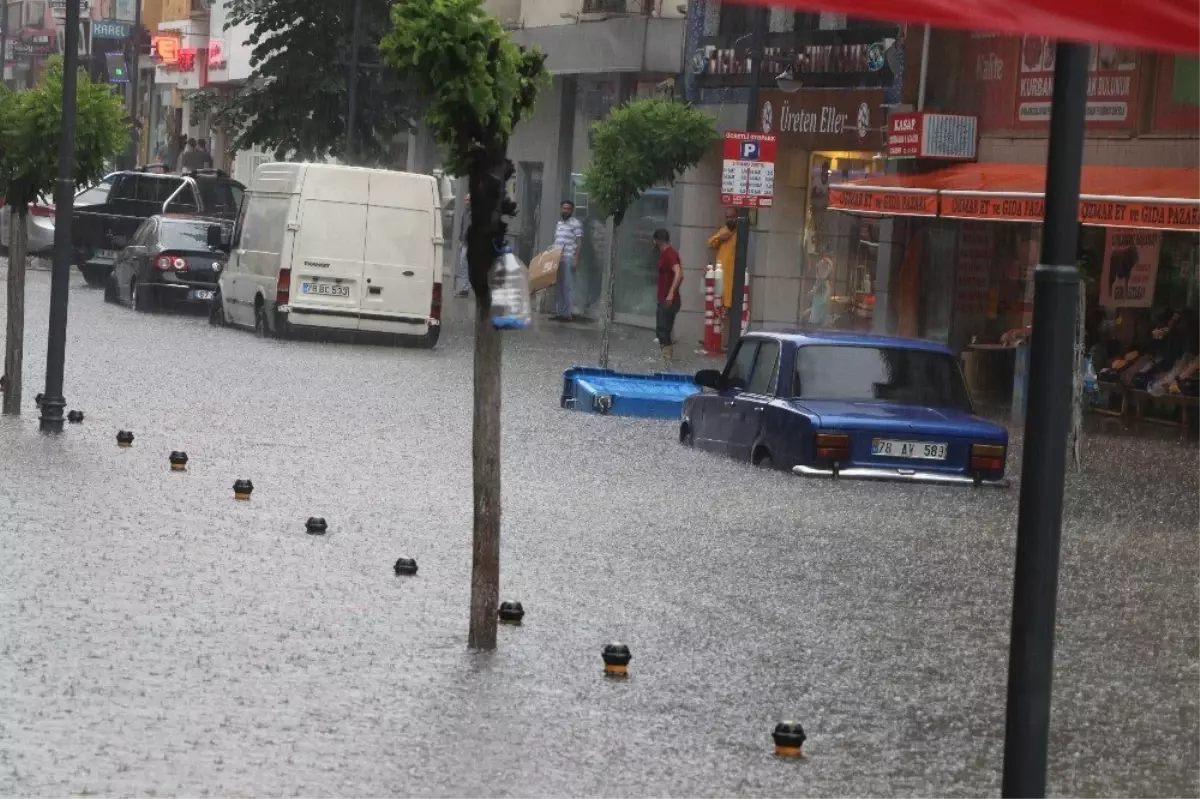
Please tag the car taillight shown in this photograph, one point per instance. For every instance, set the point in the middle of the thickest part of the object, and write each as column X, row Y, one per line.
column 435, row 309
column 170, row 263
column 41, row 210
column 283, row 289
column 987, row 457
column 833, row 446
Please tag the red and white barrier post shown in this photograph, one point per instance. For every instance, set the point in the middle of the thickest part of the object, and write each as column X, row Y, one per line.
column 712, row 336
column 746, row 305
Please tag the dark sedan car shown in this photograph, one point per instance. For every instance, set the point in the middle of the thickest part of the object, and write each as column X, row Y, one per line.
column 168, row 262
column 846, row 405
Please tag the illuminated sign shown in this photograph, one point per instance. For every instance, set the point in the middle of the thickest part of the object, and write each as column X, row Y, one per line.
column 165, row 49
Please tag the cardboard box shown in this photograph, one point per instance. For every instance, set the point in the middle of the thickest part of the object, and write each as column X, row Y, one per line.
column 543, row 270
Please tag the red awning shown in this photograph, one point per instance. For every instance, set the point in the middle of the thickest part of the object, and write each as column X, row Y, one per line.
column 1110, row 196
column 1171, row 25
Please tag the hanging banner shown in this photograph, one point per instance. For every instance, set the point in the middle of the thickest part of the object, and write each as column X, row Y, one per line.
column 1099, row 211
column 1130, row 268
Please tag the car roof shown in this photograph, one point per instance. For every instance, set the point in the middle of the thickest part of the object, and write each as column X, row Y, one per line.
column 192, row 218
column 838, row 339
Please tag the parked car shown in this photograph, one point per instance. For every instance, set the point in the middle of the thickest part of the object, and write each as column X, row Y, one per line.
column 101, row 230
column 846, row 405
column 336, row 249
column 40, row 222
column 169, row 262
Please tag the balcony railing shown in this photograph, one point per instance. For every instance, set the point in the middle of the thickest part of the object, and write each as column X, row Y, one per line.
column 619, row 6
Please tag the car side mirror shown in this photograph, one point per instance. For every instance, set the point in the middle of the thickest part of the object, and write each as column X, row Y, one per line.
column 710, row 378
column 216, row 238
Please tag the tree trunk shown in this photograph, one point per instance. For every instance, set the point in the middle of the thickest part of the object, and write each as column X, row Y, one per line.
column 485, row 471
column 610, row 281
column 14, row 340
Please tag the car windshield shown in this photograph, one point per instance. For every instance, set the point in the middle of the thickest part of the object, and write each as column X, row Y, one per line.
column 222, row 197
column 888, row 374
column 190, row 236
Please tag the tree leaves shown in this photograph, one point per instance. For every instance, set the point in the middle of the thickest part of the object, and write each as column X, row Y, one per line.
column 296, row 100
column 30, row 126
column 642, row 144
column 476, row 81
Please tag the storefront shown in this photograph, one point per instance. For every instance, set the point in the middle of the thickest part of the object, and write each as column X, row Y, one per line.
column 836, row 137
column 1138, row 251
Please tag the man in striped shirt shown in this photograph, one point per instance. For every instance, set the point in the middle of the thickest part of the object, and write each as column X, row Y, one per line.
column 568, row 238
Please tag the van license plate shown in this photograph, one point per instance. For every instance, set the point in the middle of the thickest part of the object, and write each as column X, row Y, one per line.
column 200, row 294
column 325, row 289
column 920, row 450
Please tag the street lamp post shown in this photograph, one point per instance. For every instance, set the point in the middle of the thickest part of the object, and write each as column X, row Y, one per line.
column 352, row 91
column 1051, row 371
column 64, row 199
column 742, row 250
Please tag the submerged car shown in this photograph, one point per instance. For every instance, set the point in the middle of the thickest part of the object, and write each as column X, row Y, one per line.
column 846, row 405
column 168, row 262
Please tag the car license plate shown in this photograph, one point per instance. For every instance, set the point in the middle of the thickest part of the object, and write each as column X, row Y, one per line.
column 325, row 289
column 919, row 450
column 108, row 255
column 200, row 294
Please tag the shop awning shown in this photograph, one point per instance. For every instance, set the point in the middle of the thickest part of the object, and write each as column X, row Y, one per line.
column 1131, row 197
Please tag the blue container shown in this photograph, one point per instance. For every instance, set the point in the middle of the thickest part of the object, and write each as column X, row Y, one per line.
column 656, row 396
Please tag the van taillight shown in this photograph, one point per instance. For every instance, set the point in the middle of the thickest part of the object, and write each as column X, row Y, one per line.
column 833, row 446
column 283, row 288
column 435, row 309
column 987, row 458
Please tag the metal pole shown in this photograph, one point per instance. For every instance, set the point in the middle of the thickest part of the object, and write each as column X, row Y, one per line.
column 925, row 37
column 352, row 111
column 135, row 72
column 64, row 200
column 1039, row 521
column 742, row 250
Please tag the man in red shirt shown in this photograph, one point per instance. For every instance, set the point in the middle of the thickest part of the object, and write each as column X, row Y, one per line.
column 670, row 275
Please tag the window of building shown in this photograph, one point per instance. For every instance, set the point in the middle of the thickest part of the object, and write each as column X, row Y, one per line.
column 735, row 18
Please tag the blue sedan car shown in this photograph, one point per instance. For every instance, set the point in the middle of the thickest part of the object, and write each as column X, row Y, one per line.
column 846, row 405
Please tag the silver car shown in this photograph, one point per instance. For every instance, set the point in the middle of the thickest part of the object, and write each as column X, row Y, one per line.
column 39, row 223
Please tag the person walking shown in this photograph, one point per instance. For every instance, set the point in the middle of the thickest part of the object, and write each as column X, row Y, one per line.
column 670, row 276
column 568, row 236
column 723, row 243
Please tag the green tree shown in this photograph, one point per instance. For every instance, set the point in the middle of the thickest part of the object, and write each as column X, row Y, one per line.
column 476, row 84
column 642, row 144
column 30, row 123
column 296, row 101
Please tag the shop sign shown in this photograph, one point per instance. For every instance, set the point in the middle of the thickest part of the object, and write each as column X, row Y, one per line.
column 1099, row 211
column 856, row 58
column 818, row 119
column 216, row 54
column 32, row 42
column 58, row 8
column 882, row 200
column 990, row 80
column 1130, row 268
column 950, row 137
column 165, row 49
column 748, row 173
column 1177, row 94
column 187, row 59
column 1112, row 85
column 107, row 29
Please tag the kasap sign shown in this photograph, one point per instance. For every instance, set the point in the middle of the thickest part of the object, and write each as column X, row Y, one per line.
column 1130, row 268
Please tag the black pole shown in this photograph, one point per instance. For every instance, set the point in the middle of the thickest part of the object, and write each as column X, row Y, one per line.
column 64, row 200
column 352, row 111
column 133, row 64
column 741, row 251
column 1051, row 369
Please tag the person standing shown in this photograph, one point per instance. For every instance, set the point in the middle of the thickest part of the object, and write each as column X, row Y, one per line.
column 192, row 158
column 202, row 147
column 670, row 276
column 723, row 243
column 568, row 236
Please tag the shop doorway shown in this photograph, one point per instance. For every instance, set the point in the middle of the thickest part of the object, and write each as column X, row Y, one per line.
column 529, row 209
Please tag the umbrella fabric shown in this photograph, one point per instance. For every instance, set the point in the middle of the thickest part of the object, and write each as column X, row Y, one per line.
column 1166, row 25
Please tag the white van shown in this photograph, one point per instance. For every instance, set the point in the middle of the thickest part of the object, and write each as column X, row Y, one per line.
column 336, row 248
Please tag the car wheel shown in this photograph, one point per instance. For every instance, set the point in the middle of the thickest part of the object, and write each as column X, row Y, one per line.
column 216, row 312
column 112, row 292
column 763, row 460
column 261, row 329
column 139, row 297
column 685, row 436
column 95, row 276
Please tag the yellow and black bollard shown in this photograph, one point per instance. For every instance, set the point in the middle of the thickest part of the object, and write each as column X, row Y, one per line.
column 242, row 489
column 616, row 660
column 179, row 461
column 789, row 738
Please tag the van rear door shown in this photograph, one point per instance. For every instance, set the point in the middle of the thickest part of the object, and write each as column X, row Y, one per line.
column 327, row 259
column 400, row 263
